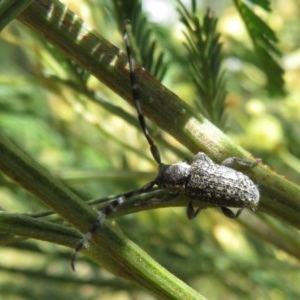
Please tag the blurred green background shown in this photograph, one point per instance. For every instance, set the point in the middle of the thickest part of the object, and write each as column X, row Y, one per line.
column 99, row 154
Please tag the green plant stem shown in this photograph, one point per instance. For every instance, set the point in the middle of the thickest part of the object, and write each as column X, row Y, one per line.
column 29, row 227
column 111, row 248
column 11, row 8
column 279, row 197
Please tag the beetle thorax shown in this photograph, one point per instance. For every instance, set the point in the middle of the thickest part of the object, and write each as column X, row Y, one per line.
column 173, row 177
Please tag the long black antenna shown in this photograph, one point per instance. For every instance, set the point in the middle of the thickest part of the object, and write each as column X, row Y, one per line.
column 118, row 201
column 135, row 91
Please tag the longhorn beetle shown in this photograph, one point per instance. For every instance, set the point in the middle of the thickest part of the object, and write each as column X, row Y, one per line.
column 202, row 179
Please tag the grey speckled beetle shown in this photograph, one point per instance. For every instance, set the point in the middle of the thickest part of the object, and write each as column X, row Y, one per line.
column 204, row 180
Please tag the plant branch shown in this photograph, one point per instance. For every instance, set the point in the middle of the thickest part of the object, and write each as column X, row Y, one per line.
column 111, row 249
column 279, row 197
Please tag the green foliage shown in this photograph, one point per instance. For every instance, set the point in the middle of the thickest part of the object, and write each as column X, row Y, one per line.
column 264, row 40
column 204, row 60
column 82, row 133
